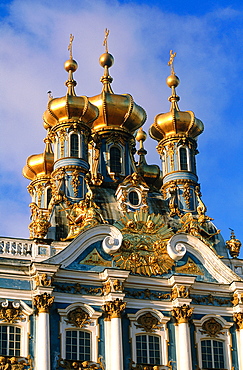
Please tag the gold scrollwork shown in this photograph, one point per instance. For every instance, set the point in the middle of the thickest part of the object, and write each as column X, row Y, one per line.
column 78, row 317
column 75, row 182
column 10, row 312
column 43, row 302
column 148, row 322
column 182, row 314
column 187, row 194
column 212, row 328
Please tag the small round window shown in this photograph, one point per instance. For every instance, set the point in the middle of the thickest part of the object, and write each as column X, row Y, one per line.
column 133, row 197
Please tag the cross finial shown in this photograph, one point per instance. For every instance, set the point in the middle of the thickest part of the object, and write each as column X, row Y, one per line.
column 70, row 46
column 171, row 61
column 105, row 43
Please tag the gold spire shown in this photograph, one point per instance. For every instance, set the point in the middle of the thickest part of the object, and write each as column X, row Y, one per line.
column 71, row 66
column 106, row 61
column 175, row 122
column 171, row 61
column 105, row 43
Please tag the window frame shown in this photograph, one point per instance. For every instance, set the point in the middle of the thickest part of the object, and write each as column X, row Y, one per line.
column 189, row 168
column 23, row 324
column 92, row 327
column 223, row 336
column 121, row 149
column 79, row 149
column 161, row 332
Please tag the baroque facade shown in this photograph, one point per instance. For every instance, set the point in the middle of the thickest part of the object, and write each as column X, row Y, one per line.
column 123, row 269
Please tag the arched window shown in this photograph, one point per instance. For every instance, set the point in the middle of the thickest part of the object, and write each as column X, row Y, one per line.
column 10, row 340
column 183, row 159
column 78, row 345
column 212, row 354
column 74, row 147
column 115, row 159
column 148, row 349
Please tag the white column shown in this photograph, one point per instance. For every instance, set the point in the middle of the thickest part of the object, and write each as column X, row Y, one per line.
column 113, row 334
column 42, row 342
column 183, row 343
column 116, row 344
column 42, row 350
column 107, row 329
column 238, row 318
column 183, row 347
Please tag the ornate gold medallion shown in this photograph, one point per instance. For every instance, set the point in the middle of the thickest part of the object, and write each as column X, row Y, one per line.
column 143, row 250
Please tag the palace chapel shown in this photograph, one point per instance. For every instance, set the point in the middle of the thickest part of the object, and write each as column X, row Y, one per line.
column 123, row 268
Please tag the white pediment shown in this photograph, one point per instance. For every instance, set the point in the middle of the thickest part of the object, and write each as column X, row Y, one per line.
column 210, row 260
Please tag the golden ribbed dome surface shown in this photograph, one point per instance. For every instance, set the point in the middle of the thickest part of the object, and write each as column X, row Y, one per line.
column 69, row 108
column 39, row 165
column 175, row 122
column 115, row 111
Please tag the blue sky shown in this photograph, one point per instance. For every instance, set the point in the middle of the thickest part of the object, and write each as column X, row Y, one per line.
column 208, row 39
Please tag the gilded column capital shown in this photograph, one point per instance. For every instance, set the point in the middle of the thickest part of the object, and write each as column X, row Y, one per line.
column 43, row 302
column 113, row 309
column 238, row 319
column 182, row 314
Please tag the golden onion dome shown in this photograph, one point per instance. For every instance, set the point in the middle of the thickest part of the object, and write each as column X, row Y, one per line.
column 175, row 122
column 69, row 108
column 115, row 111
column 39, row 165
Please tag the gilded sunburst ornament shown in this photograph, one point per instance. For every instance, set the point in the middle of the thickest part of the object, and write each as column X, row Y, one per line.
column 143, row 250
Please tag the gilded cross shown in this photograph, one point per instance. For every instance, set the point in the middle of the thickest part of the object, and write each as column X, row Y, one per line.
column 171, row 61
column 70, row 46
column 105, row 43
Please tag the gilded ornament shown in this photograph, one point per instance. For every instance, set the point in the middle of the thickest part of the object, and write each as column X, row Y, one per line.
column 75, row 182
column 233, row 245
column 190, row 268
column 107, row 288
column 148, row 322
column 187, row 194
column 40, row 224
column 81, row 365
column 212, row 328
column 117, row 285
column 143, row 250
column 43, row 302
column 235, row 300
column 83, row 215
column 197, row 226
column 113, row 309
column 14, row 363
column 94, row 258
column 10, row 312
column 171, row 151
column 62, row 137
column 78, row 317
column 173, row 202
column 182, row 314
column 43, row 280
column 238, row 319
column 171, row 61
column 180, row 292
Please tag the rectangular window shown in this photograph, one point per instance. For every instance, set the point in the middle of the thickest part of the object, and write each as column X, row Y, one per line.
column 10, row 338
column 212, row 354
column 78, row 345
column 148, row 349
